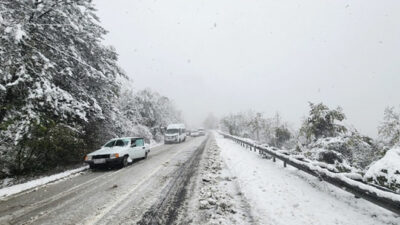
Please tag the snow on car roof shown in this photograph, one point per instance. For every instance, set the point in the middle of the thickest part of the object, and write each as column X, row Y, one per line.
column 176, row 126
column 125, row 138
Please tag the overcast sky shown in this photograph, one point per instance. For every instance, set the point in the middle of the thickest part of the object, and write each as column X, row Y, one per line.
column 225, row 56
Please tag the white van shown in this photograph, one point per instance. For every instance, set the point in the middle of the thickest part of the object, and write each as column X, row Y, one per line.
column 175, row 133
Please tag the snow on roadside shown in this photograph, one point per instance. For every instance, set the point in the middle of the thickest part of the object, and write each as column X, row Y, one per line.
column 216, row 198
column 7, row 191
column 287, row 196
column 154, row 144
column 386, row 171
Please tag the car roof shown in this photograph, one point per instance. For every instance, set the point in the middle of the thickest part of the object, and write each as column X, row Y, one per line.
column 176, row 126
column 126, row 138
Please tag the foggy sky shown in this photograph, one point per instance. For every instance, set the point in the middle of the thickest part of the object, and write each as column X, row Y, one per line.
column 225, row 56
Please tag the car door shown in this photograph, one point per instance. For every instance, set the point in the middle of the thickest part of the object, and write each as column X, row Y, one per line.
column 141, row 149
column 133, row 149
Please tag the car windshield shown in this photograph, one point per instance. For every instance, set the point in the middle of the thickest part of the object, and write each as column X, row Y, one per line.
column 172, row 131
column 118, row 143
column 110, row 144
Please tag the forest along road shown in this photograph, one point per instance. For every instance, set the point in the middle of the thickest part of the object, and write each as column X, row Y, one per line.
column 112, row 196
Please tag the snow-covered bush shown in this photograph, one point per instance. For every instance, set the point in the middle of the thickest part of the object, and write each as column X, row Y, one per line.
column 326, row 140
column 347, row 150
column 386, row 171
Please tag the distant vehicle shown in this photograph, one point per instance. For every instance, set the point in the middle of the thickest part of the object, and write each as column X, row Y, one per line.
column 118, row 152
column 175, row 133
column 195, row 133
column 202, row 132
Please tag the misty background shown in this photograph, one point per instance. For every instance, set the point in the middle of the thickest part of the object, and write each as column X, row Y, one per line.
column 269, row 56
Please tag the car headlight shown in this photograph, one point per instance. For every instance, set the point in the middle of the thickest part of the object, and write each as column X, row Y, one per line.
column 114, row 156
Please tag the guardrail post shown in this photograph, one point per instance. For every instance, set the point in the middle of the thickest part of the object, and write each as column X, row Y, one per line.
column 284, row 163
column 273, row 159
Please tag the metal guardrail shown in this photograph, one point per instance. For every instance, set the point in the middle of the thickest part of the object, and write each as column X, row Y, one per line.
column 382, row 198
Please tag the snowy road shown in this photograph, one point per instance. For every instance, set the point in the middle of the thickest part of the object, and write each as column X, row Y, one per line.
column 196, row 182
column 109, row 197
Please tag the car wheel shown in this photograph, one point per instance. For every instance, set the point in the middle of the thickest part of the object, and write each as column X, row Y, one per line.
column 124, row 162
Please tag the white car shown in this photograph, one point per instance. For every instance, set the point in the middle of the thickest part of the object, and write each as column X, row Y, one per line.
column 118, row 152
column 195, row 133
column 202, row 132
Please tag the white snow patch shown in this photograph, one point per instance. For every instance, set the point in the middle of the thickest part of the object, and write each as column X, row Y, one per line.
column 287, row 196
column 387, row 167
column 38, row 182
column 19, row 33
column 154, row 144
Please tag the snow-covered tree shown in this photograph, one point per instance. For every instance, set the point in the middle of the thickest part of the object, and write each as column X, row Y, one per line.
column 230, row 124
column 389, row 130
column 55, row 74
column 323, row 122
column 156, row 110
column 143, row 110
column 254, row 125
column 60, row 91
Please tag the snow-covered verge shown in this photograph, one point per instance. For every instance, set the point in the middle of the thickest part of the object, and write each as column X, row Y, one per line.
column 386, row 171
column 7, row 191
column 287, row 196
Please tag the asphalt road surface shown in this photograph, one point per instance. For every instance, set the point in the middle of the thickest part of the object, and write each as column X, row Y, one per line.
column 147, row 192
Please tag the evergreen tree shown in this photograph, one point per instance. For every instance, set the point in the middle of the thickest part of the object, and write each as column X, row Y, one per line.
column 55, row 75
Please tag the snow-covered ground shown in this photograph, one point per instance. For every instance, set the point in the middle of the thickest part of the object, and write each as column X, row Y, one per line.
column 216, row 197
column 7, row 191
column 287, row 196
